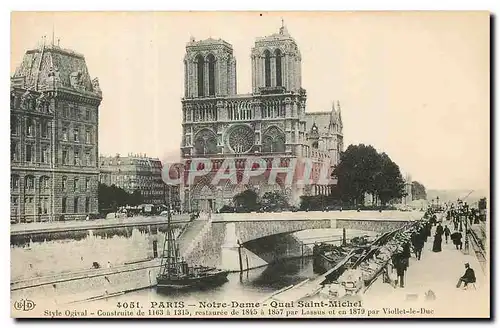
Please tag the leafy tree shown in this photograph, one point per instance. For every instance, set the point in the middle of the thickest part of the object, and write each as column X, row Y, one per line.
column 246, row 200
column 418, row 190
column 389, row 183
column 135, row 198
column 362, row 170
column 112, row 197
column 274, row 199
column 356, row 172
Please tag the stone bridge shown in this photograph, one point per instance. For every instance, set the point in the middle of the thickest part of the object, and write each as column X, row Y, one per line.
column 241, row 241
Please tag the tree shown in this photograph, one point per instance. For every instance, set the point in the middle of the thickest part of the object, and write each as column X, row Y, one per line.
column 112, row 197
column 362, row 170
column 246, row 200
column 356, row 172
column 389, row 183
column 418, row 190
column 274, row 199
column 135, row 198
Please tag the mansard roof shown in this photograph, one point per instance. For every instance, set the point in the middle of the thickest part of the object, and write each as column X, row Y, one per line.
column 50, row 66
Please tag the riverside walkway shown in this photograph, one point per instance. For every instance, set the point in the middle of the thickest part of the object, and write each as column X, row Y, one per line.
column 439, row 273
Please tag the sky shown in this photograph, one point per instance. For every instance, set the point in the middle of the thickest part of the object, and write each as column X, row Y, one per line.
column 412, row 84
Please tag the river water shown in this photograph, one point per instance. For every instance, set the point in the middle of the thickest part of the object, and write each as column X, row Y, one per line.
column 253, row 285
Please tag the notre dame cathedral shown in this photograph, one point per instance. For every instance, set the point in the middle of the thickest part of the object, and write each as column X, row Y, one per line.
column 271, row 122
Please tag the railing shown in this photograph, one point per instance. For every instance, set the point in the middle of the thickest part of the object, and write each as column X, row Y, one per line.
column 477, row 245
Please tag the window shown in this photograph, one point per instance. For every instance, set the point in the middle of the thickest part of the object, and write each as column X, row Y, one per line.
column 279, row 80
column 76, row 137
column 65, row 156
column 88, row 136
column 211, row 75
column 14, row 181
column 45, row 205
column 88, row 158
column 64, row 200
column 87, row 114
column 13, row 151
column 29, row 153
column 45, row 129
column 87, row 205
column 29, row 127
column 65, row 134
column 64, row 181
column 75, row 204
column 29, row 181
column 12, row 100
column 45, row 154
column 44, row 183
column 14, row 125
column 87, row 184
column 65, row 110
column 267, row 68
column 75, row 184
column 76, row 160
column 200, row 63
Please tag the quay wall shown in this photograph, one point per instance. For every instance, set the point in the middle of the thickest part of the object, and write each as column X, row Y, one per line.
column 87, row 285
column 60, row 253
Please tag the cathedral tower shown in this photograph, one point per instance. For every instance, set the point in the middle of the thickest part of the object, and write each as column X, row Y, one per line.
column 276, row 63
column 209, row 69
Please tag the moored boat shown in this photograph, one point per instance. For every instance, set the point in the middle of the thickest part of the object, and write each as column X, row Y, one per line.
column 178, row 274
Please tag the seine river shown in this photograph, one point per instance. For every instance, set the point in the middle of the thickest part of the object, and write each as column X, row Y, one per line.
column 253, row 285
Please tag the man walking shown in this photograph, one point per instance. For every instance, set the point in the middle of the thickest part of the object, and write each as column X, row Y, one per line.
column 447, row 233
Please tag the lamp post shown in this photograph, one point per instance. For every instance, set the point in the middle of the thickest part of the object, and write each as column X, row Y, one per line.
column 466, row 210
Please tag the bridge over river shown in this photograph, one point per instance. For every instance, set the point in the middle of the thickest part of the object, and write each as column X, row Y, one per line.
column 59, row 256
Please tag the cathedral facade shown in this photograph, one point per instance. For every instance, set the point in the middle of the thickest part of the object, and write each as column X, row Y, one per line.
column 270, row 123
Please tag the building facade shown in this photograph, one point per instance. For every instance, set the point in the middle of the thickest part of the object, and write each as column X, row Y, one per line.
column 270, row 123
column 135, row 172
column 54, row 107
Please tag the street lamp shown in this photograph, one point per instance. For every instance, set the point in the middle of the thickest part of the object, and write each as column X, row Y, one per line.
column 466, row 210
column 461, row 217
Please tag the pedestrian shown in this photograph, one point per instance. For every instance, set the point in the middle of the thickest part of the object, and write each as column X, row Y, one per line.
column 400, row 262
column 469, row 276
column 436, row 246
column 447, row 233
column 439, row 229
column 418, row 246
column 456, row 238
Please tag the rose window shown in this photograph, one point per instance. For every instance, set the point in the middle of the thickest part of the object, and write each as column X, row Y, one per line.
column 241, row 139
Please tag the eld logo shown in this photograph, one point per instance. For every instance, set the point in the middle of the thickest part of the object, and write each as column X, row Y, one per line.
column 24, row 305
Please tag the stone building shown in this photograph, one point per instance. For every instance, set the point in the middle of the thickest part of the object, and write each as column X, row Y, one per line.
column 54, row 107
column 135, row 172
column 270, row 123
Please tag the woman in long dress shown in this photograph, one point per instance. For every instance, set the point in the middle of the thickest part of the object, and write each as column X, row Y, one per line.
column 436, row 246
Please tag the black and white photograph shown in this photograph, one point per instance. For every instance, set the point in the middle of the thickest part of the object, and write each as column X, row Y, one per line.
column 250, row 164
